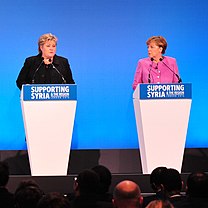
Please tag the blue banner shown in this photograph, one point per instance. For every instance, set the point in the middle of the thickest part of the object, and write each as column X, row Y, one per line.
column 40, row 92
column 166, row 91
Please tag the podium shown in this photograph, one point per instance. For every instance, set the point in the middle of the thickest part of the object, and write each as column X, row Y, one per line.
column 162, row 114
column 48, row 113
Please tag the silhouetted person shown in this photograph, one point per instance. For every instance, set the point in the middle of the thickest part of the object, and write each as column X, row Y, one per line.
column 105, row 182
column 27, row 194
column 6, row 198
column 172, row 186
column 53, row 200
column 86, row 188
column 197, row 191
column 156, row 182
column 197, row 185
column 127, row 194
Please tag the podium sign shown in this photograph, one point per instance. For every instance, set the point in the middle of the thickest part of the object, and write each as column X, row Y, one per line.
column 162, row 114
column 48, row 114
column 49, row 92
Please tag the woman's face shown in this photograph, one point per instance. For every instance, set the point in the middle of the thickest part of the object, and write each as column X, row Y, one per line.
column 154, row 51
column 48, row 49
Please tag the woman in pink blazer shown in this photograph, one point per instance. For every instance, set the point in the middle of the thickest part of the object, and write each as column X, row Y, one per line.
column 156, row 68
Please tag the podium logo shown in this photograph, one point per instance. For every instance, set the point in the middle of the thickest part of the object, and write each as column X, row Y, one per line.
column 49, row 92
column 165, row 91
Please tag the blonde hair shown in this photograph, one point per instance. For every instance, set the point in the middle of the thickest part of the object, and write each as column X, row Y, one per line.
column 159, row 41
column 159, row 204
column 44, row 38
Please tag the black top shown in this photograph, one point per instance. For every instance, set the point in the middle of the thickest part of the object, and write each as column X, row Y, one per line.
column 89, row 201
column 35, row 71
column 6, row 198
column 192, row 202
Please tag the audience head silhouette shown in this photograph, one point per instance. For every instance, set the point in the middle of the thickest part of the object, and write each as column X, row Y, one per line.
column 127, row 194
column 156, row 182
column 27, row 194
column 172, row 182
column 4, row 174
column 105, row 178
column 53, row 200
column 157, row 178
column 197, row 185
column 6, row 197
column 86, row 183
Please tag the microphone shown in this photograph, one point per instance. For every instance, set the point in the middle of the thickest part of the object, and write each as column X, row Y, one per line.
column 33, row 79
column 161, row 58
column 62, row 77
column 149, row 79
column 179, row 79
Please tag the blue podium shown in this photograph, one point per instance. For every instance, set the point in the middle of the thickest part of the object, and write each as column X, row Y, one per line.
column 48, row 114
column 162, row 114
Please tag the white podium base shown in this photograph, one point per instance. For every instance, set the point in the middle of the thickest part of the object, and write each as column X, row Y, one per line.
column 162, row 127
column 49, row 127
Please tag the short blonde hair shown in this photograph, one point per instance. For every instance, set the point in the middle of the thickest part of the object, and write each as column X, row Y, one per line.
column 160, row 204
column 159, row 41
column 44, row 38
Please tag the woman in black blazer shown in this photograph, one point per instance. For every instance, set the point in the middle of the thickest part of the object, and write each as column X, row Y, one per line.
column 46, row 67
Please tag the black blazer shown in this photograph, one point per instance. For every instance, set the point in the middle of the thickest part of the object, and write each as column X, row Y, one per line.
column 29, row 71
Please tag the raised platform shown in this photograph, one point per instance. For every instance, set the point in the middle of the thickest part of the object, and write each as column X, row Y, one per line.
column 64, row 184
column 123, row 164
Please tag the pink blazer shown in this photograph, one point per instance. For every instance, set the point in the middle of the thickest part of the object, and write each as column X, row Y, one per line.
column 147, row 71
